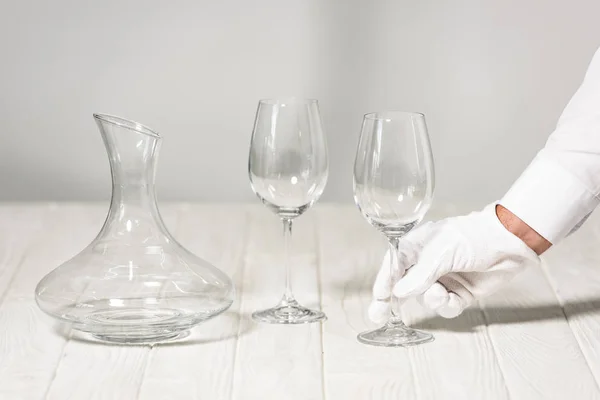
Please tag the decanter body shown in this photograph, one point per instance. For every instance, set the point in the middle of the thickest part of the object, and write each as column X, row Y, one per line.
column 134, row 283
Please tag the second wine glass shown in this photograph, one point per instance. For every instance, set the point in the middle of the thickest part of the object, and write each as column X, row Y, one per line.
column 288, row 169
column 393, row 188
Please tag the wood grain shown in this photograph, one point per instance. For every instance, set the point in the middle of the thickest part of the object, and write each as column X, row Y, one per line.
column 536, row 348
column 350, row 252
column 278, row 361
column 100, row 371
column 462, row 360
column 518, row 345
column 573, row 269
column 201, row 367
column 20, row 227
column 31, row 344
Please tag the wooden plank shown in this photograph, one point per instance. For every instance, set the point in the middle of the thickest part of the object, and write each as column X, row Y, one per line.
column 535, row 346
column 30, row 342
column 201, row 367
column 572, row 268
column 97, row 371
column 90, row 370
column 462, row 359
column 278, row 361
column 20, row 228
column 350, row 252
column 540, row 354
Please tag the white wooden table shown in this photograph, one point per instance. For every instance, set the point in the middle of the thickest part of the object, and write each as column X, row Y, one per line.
column 538, row 339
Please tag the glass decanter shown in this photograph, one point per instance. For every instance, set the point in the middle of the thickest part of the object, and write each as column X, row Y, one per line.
column 134, row 283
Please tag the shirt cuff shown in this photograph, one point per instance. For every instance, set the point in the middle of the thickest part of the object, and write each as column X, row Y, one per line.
column 549, row 199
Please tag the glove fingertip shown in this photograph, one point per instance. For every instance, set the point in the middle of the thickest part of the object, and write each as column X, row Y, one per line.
column 411, row 285
column 435, row 297
column 379, row 311
column 381, row 290
column 403, row 290
column 454, row 308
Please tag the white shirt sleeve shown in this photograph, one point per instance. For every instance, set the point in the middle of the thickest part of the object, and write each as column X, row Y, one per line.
column 561, row 186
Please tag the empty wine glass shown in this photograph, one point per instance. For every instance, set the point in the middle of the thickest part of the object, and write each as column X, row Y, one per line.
column 393, row 188
column 288, row 170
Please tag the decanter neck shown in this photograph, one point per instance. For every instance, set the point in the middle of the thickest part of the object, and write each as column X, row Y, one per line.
column 131, row 198
column 134, row 212
column 132, row 151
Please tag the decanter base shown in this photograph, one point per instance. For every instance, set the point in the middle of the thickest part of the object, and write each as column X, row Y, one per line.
column 138, row 325
column 149, row 337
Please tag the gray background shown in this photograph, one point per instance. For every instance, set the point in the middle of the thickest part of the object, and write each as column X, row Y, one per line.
column 491, row 76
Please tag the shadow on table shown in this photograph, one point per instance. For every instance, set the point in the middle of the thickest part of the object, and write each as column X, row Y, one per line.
column 231, row 324
column 470, row 319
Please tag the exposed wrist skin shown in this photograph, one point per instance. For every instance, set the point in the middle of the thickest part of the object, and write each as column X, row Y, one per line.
column 521, row 230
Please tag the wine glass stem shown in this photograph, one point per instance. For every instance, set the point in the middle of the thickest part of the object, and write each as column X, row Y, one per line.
column 288, row 296
column 396, row 273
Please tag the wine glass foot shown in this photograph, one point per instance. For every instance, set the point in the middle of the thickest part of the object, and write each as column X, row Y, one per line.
column 392, row 335
column 288, row 313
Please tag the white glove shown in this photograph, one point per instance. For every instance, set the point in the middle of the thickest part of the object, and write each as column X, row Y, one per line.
column 453, row 262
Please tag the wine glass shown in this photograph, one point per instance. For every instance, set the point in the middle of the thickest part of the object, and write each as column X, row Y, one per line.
column 288, row 169
column 393, row 189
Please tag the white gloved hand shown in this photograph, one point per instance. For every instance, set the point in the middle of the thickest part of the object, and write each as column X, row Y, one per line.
column 453, row 262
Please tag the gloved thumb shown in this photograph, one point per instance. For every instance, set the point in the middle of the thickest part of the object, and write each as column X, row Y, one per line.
column 379, row 311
